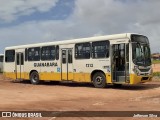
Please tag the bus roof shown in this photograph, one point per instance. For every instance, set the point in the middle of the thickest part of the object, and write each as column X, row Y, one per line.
column 61, row 42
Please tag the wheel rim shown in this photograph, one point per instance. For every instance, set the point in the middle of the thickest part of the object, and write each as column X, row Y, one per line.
column 99, row 80
column 34, row 78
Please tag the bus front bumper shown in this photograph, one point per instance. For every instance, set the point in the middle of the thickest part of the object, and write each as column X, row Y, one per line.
column 134, row 79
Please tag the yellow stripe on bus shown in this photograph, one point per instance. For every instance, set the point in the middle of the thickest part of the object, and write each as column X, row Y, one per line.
column 77, row 77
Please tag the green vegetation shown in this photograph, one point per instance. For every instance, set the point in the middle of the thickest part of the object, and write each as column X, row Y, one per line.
column 156, row 62
column 157, row 74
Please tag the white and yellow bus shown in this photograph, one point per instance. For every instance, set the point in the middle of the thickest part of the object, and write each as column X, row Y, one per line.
column 1, row 63
column 114, row 59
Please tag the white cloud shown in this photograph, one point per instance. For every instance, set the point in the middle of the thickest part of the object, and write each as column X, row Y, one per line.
column 11, row 9
column 90, row 18
column 119, row 16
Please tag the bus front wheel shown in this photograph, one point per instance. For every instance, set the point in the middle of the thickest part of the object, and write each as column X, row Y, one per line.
column 99, row 80
column 34, row 78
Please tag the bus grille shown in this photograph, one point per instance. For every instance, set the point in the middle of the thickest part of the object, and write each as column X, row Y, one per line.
column 144, row 78
column 144, row 70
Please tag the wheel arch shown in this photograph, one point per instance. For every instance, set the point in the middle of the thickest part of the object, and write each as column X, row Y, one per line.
column 96, row 71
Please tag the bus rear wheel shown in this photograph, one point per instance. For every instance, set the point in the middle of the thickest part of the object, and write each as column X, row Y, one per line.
column 34, row 78
column 99, row 80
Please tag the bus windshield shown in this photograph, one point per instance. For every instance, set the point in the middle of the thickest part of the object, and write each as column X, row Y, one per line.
column 141, row 51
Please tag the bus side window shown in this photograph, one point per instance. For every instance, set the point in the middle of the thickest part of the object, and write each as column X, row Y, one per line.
column 64, row 56
column 1, row 58
column 70, row 56
column 26, row 54
column 57, row 52
column 22, row 59
column 82, row 50
column 100, row 49
column 34, row 54
column 18, row 62
column 48, row 53
column 10, row 56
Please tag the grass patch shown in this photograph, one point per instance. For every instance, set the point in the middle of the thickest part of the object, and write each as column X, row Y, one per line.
column 157, row 74
column 156, row 62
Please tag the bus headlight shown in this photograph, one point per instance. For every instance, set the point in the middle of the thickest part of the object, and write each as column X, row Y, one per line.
column 136, row 71
column 151, row 71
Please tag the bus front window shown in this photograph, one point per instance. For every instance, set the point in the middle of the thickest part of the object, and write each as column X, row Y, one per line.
column 141, row 54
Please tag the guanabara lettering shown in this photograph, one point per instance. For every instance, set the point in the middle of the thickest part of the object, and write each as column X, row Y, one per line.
column 48, row 64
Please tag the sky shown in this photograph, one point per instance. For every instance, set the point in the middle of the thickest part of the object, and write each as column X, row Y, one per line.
column 34, row 21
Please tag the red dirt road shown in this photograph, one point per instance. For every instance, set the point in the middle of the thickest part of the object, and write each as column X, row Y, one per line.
column 156, row 67
column 77, row 97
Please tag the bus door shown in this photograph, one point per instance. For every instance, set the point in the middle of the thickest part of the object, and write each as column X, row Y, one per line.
column 120, row 63
column 67, row 64
column 19, row 65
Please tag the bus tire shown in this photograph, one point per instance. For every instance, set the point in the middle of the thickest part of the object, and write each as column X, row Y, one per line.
column 99, row 80
column 34, row 78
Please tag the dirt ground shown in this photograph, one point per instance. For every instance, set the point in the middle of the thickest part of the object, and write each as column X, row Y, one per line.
column 156, row 67
column 23, row 96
